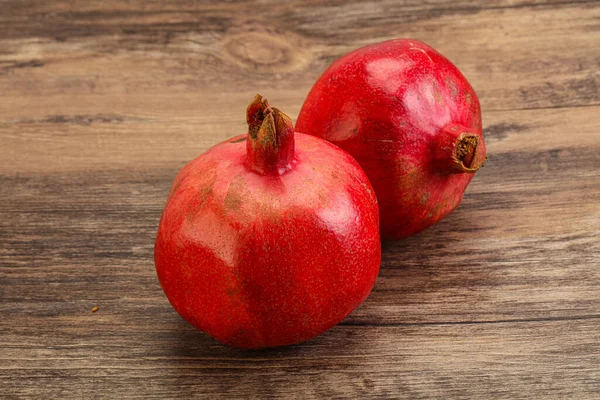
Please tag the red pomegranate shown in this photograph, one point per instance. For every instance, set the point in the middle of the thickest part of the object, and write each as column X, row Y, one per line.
column 269, row 238
column 410, row 119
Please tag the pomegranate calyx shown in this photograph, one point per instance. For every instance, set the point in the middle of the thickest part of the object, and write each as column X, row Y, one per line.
column 459, row 149
column 468, row 153
column 270, row 144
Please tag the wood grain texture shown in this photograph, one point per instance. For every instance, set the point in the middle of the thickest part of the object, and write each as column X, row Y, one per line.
column 101, row 102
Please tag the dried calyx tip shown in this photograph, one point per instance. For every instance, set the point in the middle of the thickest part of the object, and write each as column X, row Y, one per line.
column 469, row 153
column 459, row 149
column 256, row 113
column 271, row 138
column 465, row 150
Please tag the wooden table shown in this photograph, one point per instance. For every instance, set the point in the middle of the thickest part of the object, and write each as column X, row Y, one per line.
column 102, row 102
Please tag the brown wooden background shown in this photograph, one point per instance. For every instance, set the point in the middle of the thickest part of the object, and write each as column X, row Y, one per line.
column 101, row 102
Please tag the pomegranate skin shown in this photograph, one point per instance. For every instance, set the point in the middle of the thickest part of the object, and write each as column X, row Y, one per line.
column 260, row 260
column 410, row 119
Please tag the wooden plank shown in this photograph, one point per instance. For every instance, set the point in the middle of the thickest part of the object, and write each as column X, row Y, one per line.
column 166, row 361
column 210, row 52
column 148, row 134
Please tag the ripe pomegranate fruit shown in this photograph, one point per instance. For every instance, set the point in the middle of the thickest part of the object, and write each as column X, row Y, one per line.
column 269, row 238
column 410, row 119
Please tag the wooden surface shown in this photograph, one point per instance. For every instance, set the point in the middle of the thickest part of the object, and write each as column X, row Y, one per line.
column 102, row 102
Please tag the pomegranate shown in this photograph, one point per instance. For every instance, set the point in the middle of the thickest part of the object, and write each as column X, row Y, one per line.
column 410, row 119
column 269, row 238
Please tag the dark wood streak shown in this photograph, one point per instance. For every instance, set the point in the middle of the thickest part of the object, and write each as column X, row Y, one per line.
column 102, row 102
column 25, row 64
column 79, row 119
column 501, row 131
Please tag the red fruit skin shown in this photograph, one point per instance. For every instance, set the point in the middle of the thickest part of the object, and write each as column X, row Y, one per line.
column 268, row 260
column 392, row 106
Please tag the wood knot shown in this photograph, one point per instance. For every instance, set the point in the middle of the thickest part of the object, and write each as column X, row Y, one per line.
column 262, row 50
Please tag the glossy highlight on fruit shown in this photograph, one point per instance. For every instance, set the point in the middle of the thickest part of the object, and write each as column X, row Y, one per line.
column 410, row 119
column 269, row 238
